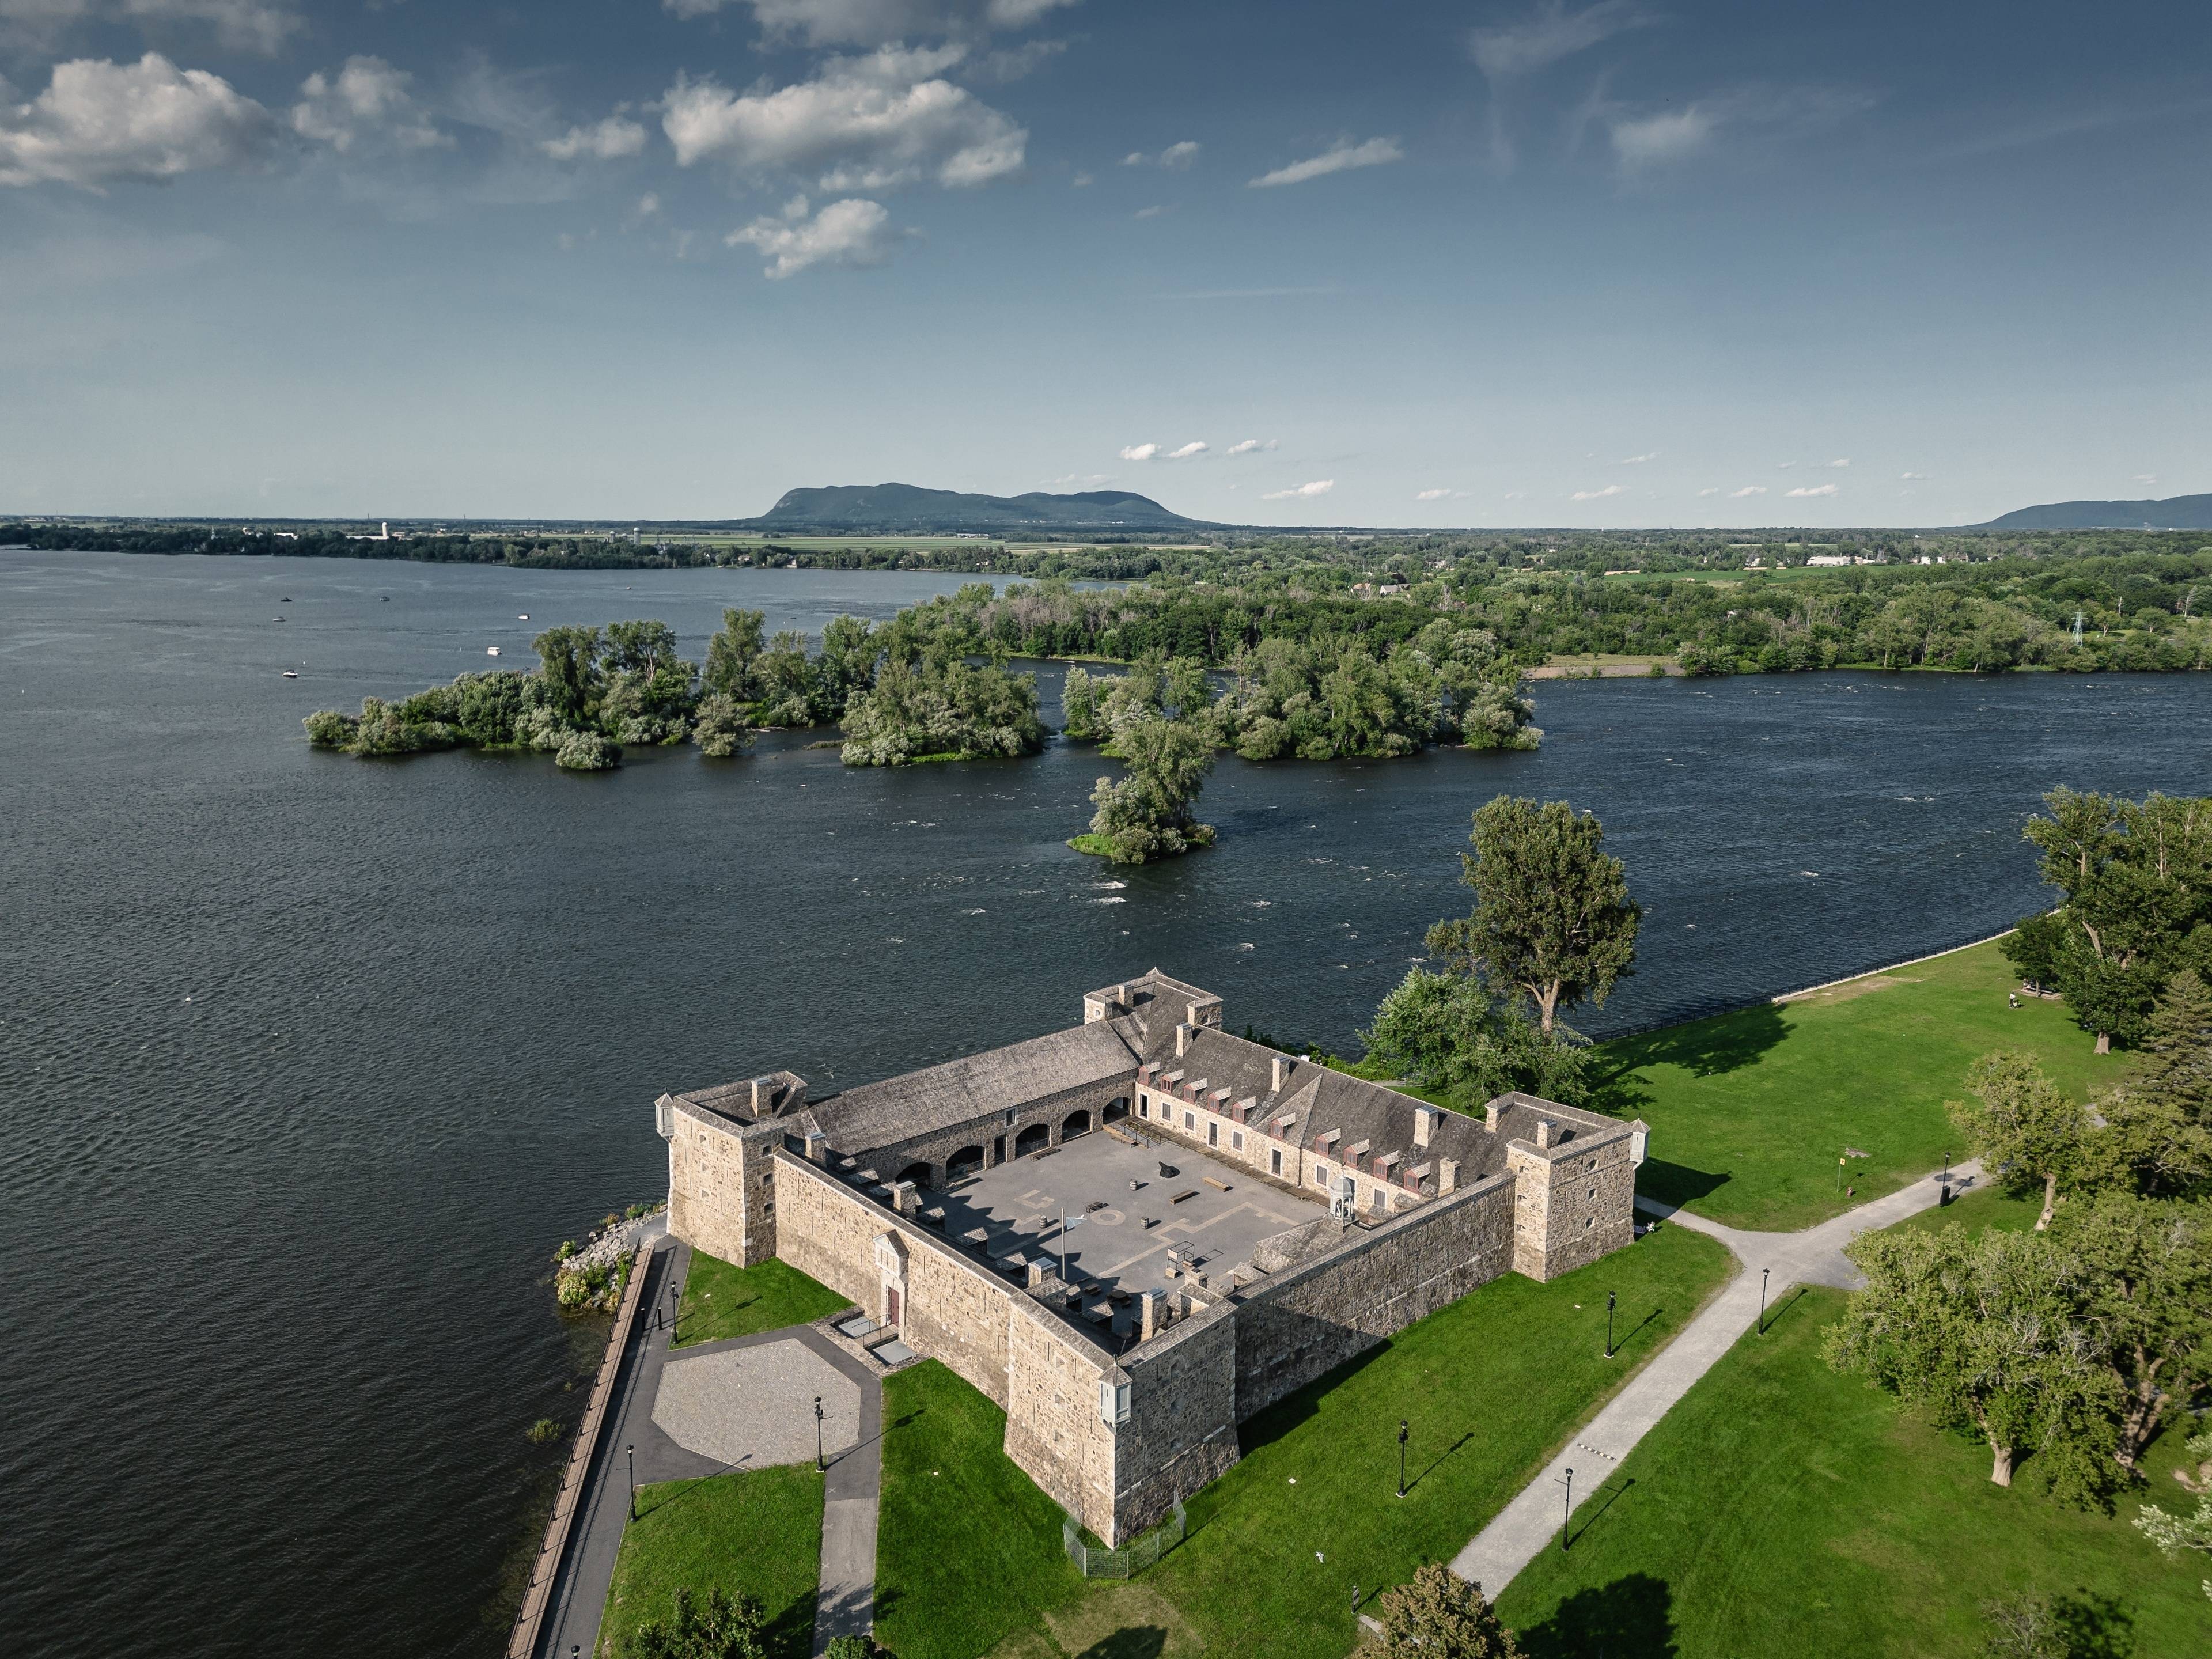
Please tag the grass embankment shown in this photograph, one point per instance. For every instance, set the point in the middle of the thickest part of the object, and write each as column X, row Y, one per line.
column 1750, row 1110
column 966, row 1548
column 1097, row 847
column 1782, row 1509
column 1491, row 1387
column 1603, row 665
column 758, row 1533
column 722, row 1301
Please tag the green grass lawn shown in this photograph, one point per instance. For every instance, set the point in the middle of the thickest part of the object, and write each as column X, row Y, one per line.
column 1980, row 1207
column 968, row 1550
column 722, row 1301
column 758, row 1533
column 1750, row 1110
column 1491, row 1386
column 1781, row 1509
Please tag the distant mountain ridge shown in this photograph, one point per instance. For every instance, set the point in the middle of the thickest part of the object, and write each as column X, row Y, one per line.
column 2175, row 512
column 908, row 509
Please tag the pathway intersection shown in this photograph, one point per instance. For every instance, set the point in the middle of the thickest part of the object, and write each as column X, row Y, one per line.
column 1532, row 1521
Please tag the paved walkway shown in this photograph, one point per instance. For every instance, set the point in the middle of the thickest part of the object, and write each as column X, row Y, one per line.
column 1532, row 1521
column 846, row 1603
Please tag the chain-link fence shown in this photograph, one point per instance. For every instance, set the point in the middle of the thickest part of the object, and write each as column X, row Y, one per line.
column 1098, row 1562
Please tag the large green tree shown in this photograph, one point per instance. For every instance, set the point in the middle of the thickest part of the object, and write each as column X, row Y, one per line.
column 716, row 1625
column 2026, row 1129
column 1551, row 916
column 1984, row 1332
column 2145, row 1288
column 1146, row 813
column 2137, row 880
column 1441, row 1616
column 1452, row 1032
column 732, row 653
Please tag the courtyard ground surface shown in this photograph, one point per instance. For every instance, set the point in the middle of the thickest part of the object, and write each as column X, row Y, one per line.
column 1490, row 1386
column 1021, row 1202
column 1750, row 1111
column 756, row 1533
column 1782, row 1509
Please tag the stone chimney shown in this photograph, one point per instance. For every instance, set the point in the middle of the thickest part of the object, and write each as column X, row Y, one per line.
column 1545, row 1130
column 1424, row 1123
column 1490, row 1117
column 757, row 1091
column 1152, row 1309
column 1037, row 1273
column 818, row 1147
column 1281, row 1074
column 1447, row 1175
column 1182, row 1040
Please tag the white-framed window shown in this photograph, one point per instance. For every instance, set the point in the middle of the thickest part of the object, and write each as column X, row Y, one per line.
column 1190, row 1122
column 1213, row 1132
column 1113, row 1401
column 1274, row 1160
column 1235, row 1140
column 1321, row 1176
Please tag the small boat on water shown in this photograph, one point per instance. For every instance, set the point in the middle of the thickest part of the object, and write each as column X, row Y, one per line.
column 525, row 616
column 491, row 651
column 291, row 674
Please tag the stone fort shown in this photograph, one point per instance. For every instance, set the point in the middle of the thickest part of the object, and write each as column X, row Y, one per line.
column 1225, row 1224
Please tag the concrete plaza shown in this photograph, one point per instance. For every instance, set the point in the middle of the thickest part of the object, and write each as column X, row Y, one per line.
column 1210, row 1213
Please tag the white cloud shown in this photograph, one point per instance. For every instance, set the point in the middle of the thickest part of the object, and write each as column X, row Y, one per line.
column 1250, row 446
column 846, row 232
column 878, row 22
column 1910, row 476
column 1655, row 139
column 1013, row 64
column 365, row 100
column 1596, row 494
column 1749, row 489
column 1179, row 157
column 1638, row 460
column 1550, row 33
column 1140, row 452
column 1189, row 450
column 1817, row 489
column 1135, row 158
column 1441, row 496
column 2145, row 479
column 1714, row 490
column 1844, row 462
column 1081, row 480
column 1081, row 181
column 1783, row 466
column 244, row 25
column 1148, row 212
column 604, row 141
column 649, row 205
column 1339, row 157
column 100, row 122
column 873, row 122
column 1318, row 487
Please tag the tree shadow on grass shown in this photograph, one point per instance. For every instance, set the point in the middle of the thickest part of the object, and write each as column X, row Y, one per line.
column 1632, row 1618
column 1137, row 1642
column 2094, row 1626
column 1703, row 1047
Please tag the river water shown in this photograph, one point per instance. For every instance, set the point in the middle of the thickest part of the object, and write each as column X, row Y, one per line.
column 309, row 1062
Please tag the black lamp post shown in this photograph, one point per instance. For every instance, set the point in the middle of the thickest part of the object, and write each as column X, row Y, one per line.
column 1944, row 1196
column 630, row 1452
column 1762, row 1301
column 818, row 1464
column 1609, row 1300
column 1566, row 1517
column 1402, row 1456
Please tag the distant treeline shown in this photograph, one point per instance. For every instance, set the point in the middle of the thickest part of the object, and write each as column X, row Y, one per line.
column 2136, row 611
column 525, row 552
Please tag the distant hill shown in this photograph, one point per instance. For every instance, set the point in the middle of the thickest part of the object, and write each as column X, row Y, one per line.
column 906, row 509
column 2176, row 512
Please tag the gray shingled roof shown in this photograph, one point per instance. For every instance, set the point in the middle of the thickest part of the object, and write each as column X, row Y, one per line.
column 900, row 1108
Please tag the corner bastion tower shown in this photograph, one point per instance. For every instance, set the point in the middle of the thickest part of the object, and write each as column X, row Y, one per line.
column 1135, row 1233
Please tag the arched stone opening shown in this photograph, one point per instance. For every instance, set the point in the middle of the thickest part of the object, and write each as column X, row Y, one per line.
column 964, row 1162
column 1075, row 1124
column 1037, row 1135
column 922, row 1175
column 1116, row 1110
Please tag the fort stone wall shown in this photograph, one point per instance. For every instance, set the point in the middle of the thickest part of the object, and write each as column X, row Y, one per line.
column 1574, row 1203
column 720, row 1188
column 1295, row 1326
column 1182, row 1430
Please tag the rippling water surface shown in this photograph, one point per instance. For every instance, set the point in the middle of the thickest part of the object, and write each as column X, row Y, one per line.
column 309, row 1061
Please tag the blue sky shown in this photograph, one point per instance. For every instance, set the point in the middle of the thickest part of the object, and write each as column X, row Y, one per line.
column 1606, row 263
